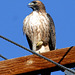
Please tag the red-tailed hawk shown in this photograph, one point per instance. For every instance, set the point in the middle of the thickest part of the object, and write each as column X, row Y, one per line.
column 39, row 29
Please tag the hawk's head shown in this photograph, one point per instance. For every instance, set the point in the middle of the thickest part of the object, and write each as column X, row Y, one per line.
column 36, row 5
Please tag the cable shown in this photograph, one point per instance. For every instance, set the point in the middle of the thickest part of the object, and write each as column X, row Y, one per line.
column 3, row 57
column 61, row 66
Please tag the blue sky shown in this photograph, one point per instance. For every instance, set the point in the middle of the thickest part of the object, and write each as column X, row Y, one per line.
column 12, row 14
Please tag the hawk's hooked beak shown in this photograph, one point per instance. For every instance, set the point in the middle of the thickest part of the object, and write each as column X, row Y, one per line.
column 31, row 4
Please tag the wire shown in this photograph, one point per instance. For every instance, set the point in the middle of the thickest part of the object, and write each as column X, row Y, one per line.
column 61, row 66
column 3, row 57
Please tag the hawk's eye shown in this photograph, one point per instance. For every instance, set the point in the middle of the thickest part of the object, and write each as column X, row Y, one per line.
column 34, row 2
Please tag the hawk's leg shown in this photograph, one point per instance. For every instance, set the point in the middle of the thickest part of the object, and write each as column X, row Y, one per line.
column 39, row 43
column 34, row 46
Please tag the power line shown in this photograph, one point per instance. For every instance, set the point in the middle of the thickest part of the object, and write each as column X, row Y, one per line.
column 3, row 57
column 61, row 66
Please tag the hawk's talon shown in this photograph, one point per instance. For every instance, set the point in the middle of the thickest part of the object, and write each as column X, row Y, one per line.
column 39, row 43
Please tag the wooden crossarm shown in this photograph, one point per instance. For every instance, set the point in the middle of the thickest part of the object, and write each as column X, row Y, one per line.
column 33, row 63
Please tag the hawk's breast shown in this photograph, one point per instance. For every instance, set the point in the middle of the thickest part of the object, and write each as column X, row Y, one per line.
column 37, row 27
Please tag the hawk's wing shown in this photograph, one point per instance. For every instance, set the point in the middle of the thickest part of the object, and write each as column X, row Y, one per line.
column 29, row 42
column 52, row 42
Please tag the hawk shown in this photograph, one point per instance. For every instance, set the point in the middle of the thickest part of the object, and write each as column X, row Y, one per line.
column 40, row 30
